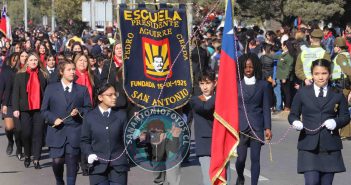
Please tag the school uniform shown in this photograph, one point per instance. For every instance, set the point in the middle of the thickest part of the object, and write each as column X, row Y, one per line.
column 102, row 134
column 257, row 98
column 84, row 80
column 53, row 75
column 97, row 74
column 64, row 140
column 319, row 150
column 109, row 73
column 7, row 79
column 57, row 104
column 203, row 124
column 32, row 123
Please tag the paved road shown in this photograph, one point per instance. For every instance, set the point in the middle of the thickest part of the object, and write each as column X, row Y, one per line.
column 281, row 171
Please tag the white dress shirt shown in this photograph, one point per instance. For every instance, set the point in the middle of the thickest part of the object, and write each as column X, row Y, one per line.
column 102, row 111
column 316, row 90
column 69, row 86
column 249, row 81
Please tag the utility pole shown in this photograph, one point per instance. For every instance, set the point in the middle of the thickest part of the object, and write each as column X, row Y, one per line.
column 25, row 15
column 92, row 9
column 53, row 16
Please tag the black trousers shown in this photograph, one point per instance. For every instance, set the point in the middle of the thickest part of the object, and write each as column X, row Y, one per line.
column 109, row 177
column 32, row 124
column 18, row 134
column 255, row 154
column 287, row 93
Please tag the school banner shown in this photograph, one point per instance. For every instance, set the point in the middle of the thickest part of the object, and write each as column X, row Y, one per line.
column 157, row 68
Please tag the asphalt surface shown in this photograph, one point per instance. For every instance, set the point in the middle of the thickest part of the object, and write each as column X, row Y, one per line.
column 280, row 171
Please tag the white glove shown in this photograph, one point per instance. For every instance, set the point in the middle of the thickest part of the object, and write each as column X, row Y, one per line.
column 330, row 124
column 298, row 125
column 92, row 158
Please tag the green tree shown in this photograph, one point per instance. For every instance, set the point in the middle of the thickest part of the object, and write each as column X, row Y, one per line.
column 68, row 10
column 36, row 10
column 263, row 9
column 309, row 9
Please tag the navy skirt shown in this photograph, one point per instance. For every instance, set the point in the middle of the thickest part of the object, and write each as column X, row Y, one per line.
column 321, row 161
column 61, row 151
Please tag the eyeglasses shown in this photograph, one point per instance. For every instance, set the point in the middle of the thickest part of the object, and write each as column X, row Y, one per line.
column 111, row 94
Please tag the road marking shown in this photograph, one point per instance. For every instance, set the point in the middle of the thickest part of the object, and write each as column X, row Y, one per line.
column 248, row 173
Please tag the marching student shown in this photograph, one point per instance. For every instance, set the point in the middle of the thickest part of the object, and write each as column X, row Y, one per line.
column 51, row 68
column 28, row 89
column 257, row 97
column 102, row 136
column 203, row 109
column 12, row 127
column 63, row 105
column 318, row 112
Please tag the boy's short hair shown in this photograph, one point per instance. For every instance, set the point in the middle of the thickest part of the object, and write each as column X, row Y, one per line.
column 207, row 75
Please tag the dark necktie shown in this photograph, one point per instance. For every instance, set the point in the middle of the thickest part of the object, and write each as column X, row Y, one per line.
column 105, row 114
column 67, row 94
column 320, row 95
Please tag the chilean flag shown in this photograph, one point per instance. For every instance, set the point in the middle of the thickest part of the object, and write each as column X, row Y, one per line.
column 5, row 27
column 225, row 136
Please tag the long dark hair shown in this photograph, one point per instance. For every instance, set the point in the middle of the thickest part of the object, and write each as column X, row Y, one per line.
column 255, row 61
column 13, row 56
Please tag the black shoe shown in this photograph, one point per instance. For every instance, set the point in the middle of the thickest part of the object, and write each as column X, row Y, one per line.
column 19, row 156
column 9, row 148
column 36, row 165
column 26, row 162
column 85, row 172
column 240, row 181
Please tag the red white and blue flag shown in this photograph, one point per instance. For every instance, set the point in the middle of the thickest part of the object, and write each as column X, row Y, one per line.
column 5, row 27
column 225, row 136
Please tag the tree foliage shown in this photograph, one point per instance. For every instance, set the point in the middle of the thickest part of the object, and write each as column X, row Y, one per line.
column 259, row 10
column 36, row 10
column 68, row 10
column 310, row 10
column 280, row 10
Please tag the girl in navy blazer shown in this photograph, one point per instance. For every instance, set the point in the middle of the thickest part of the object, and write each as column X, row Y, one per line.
column 28, row 89
column 64, row 105
column 102, row 137
column 318, row 112
column 256, row 97
column 8, row 73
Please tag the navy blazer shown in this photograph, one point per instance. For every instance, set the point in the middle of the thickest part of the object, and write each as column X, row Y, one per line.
column 54, row 76
column 20, row 94
column 55, row 106
column 8, row 76
column 314, row 114
column 258, row 108
column 203, row 120
column 104, row 137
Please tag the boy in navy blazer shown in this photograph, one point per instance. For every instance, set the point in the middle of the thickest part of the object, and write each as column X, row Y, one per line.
column 203, row 109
